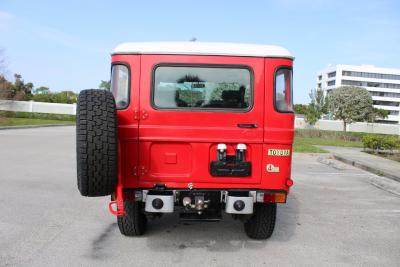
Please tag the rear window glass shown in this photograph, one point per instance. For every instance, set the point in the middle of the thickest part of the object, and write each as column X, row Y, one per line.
column 190, row 87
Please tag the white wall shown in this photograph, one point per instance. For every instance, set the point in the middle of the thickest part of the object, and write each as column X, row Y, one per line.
column 70, row 109
column 365, row 127
column 31, row 106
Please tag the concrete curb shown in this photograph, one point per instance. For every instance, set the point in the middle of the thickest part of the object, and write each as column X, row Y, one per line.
column 366, row 167
column 33, row 126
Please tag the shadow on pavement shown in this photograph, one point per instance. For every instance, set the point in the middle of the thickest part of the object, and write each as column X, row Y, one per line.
column 169, row 234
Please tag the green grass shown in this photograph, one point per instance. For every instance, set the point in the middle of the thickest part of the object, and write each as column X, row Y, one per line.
column 11, row 118
column 305, row 140
column 27, row 121
column 306, row 144
column 36, row 115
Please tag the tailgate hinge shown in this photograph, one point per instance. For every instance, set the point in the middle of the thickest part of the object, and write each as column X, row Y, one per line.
column 144, row 114
column 135, row 171
column 143, row 170
column 136, row 114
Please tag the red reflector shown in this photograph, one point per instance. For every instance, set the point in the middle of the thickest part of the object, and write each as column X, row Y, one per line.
column 269, row 198
column 289, row 182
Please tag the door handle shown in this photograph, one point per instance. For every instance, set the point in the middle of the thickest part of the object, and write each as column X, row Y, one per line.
column 247, row 125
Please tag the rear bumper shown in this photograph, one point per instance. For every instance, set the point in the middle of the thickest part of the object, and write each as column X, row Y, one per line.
column 231, row 201
column 223, row 185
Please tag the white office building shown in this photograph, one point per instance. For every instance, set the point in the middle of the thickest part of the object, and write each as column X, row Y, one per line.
column 382, row 83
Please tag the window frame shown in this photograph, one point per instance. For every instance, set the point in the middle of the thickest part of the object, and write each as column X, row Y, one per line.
column 291, row 88
column 122, row 63
column 202, row 65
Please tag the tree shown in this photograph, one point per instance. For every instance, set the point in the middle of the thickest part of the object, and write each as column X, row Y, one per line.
column 5, row 88
column 319, row 100
column 317, row 107
column 378, row 114
column 350, row 104
column 67, row 97
column 14, row 91
column 312, row 114
column 300, row 108
column 3, row 63
column 106, row 85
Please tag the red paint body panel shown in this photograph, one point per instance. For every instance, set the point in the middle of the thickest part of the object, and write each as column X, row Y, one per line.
column 175, row 147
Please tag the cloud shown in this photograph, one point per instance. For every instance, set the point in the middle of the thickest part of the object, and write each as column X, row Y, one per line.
column 5, row 20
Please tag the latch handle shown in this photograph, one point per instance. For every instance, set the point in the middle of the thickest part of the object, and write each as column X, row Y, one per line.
column 247, row 125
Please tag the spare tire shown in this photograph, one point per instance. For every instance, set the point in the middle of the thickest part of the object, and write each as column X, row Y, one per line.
column 96, row 143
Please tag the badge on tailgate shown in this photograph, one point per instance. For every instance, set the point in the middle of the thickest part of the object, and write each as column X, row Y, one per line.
column 278, row 152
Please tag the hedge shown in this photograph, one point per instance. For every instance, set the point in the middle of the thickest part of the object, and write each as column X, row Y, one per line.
column 376, row 142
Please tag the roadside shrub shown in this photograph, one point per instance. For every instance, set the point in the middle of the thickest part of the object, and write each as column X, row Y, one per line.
column 379, row 142
column 66, row 97
column 391, row 143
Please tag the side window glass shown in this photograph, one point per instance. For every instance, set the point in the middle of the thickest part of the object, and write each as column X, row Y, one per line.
column 283, row 90
column 120, row 85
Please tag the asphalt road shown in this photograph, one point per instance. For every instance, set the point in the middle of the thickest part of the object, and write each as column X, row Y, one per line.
column 336, row 215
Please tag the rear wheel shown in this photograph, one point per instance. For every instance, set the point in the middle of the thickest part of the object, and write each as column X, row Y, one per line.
column 134, row 223
column 96, row 143
column 262, row 223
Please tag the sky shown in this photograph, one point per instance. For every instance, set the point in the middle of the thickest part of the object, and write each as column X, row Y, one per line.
column 66, row 45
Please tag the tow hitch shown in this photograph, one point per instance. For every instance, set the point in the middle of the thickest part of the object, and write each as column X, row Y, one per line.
column 114, row 208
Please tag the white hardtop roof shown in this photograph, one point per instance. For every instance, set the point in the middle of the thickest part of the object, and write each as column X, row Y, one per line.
column 203, row 48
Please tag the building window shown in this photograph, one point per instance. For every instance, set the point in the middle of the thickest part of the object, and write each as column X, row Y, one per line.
column 319, row 77
column 332, row 74
column 371, row 84
column 331, row 83
column 371, row 75
column 352, row 83
column 386, row 103
column 385, row 94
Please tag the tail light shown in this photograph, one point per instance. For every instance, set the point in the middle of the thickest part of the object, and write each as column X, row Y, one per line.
column 268, row 197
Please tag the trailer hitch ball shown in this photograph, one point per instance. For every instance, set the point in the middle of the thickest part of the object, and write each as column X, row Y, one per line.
column 187, row 202
column 239, row 205
column 199, row 204
column 157, row 203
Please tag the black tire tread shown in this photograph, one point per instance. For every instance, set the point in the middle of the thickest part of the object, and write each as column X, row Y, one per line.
column 262, row 223
column 96, row 143
column 134, row 223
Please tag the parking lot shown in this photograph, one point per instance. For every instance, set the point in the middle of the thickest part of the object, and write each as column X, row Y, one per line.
column 336, row 215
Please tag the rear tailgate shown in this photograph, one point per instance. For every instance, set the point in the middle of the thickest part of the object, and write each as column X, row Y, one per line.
column 185, row 114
